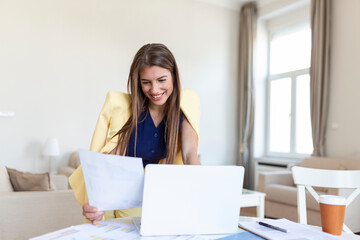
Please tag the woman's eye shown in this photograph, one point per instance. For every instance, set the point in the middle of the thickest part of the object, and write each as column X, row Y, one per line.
column 162, row 80
column 145, row 83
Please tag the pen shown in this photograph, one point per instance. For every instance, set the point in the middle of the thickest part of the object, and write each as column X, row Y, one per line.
column 272, row 227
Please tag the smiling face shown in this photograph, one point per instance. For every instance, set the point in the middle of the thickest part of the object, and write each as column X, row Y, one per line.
column 157, row 85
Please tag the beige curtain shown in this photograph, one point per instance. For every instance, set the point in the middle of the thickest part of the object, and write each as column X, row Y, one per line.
column 319, row 72
column 246, row 94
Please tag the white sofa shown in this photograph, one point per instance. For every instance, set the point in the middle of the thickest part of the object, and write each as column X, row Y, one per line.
column 32, row 213
column 281, row 192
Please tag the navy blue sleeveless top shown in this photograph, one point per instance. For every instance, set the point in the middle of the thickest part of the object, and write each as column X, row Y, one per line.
column 150, row 145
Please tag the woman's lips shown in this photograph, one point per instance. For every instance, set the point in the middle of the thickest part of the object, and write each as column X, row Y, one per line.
column 157, row 97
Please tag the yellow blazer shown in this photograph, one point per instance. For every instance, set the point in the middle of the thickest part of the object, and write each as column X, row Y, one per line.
column 114, row 114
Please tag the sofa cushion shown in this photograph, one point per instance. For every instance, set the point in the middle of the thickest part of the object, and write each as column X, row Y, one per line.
column 331, row 163
column 5, row 184
column 25, row 181
column 74, row 161
column 288, row 195
column 60, row 182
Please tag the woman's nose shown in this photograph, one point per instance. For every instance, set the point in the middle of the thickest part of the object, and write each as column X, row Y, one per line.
column 154, row 88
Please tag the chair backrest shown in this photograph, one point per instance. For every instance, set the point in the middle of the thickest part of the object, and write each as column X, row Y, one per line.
column 306, row 178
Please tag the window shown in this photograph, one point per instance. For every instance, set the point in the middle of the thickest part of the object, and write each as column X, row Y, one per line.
column 288, row 131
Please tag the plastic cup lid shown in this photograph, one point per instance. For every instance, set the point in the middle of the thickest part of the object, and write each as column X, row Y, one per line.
column 332, row 200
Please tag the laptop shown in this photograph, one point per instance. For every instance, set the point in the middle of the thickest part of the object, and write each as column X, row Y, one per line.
column 190, row 199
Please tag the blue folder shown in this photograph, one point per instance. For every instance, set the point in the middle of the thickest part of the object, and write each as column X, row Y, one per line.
column 242, row 235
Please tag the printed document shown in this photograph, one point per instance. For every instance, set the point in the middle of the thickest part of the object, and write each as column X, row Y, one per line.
column 112, row 182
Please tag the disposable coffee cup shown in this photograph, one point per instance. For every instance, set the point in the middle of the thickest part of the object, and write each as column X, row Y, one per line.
column 332, row 211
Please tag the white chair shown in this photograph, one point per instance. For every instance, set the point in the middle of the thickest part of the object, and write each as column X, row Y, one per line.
column 309, row 177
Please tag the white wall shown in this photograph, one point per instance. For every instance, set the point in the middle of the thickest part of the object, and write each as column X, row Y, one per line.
column 59, row 58
column 343, row 141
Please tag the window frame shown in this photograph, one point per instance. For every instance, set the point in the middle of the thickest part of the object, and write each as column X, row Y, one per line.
column 292, row 75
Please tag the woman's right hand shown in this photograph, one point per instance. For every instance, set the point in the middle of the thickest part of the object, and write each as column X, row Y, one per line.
column 92, row 213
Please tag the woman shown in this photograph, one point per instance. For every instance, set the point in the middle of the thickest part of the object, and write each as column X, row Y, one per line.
column 156, row 121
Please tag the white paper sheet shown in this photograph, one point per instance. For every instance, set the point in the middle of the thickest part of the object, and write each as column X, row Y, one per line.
column 112, row 182
column 296, row 231
column 106, row 230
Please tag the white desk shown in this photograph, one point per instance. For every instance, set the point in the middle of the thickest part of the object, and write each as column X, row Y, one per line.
column 123, row 228
column 346, row 236
column 251, row 198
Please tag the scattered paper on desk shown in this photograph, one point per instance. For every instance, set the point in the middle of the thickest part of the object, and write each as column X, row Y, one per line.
column 112, row 182
column 105, row 230
column 295, row 230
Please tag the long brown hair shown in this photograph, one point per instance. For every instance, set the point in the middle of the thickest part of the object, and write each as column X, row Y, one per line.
column 152, row 55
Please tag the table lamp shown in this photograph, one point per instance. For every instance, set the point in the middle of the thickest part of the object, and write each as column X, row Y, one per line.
column 51, row 149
